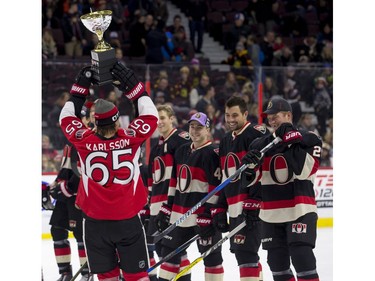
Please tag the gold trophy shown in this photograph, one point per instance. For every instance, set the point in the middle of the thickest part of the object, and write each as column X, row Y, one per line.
column 103, row 56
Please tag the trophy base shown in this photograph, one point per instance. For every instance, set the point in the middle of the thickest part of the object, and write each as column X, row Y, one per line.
column 101, row 64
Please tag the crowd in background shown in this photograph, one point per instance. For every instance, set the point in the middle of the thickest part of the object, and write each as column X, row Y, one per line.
column 286, row 45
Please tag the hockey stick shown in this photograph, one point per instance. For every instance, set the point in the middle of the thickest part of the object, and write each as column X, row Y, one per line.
column 210, row 250
column 79, row 271
column 156, row 237
column 173, row 253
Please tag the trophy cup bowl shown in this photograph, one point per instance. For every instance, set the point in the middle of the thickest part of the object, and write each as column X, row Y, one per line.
column 98, row 22
column 103, row 55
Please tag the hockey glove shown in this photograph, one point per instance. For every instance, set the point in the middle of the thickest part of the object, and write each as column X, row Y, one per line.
column 145, row 216
column 205, row 227
column 128, row 82
column 288, row 133
column 219, row 219
column 61, row 192
column 82, row 82
column 162, row 219
column 250, row 211
column 253, row 158
column 46, row 199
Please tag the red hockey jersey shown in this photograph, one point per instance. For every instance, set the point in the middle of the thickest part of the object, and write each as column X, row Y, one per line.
column 111, row 187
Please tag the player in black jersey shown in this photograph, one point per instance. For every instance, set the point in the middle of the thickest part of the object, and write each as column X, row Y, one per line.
column 159, row 174
column 288, row 211
column 233, row 146
column 196, row 172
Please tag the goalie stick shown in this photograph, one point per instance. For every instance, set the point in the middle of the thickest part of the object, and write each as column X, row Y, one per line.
column 173, row 253
column 158, row 236
column 210, row 250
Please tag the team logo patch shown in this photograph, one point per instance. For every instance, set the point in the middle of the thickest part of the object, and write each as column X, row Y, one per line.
column 72, row 224
column 239, row 239
column 270, row 104
column 130, row 132
column 142, row 264
column 260, row 128
column 80, row 133
column 205, row 242
column 184, row 135
column 299, row 227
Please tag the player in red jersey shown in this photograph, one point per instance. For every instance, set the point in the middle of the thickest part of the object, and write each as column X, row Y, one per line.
column 233, row 146
column 196, row 172
column 288, row 210
column 111, row 192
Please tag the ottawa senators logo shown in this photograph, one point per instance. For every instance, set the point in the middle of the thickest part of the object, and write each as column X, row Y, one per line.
column 239, row 239
column 299, row 227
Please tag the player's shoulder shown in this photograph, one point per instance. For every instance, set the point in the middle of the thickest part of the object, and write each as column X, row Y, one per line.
column 182, row 135
column 258, row 129
column 310, row 138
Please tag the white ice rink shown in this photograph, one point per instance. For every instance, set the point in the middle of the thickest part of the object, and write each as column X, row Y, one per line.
column 323, row 252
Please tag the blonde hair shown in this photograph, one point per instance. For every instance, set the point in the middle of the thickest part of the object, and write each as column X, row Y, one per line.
column 167, row 108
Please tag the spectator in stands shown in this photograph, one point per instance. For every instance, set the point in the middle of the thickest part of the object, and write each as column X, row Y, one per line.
column 89, row 44
column 199, row 91
column 196, row 72
column 49, row 49
column 137, row 36
column 207, row 98
column 270, row 89
column 295, row 25
column 240, row 62
column 231, row 85
column 162, row 87
column 180, row 95
column 239, row 29
column 161, row 10
column 310, row 48
column 155, row 41
column 254, row 51
column 183, row 49
column 48, row 149
column 283, row 57
column 48, row 165
column 73, row 31
column 57, row 137
column 117, row 8
column 177, row 25
column 308, row 122
column 328, row 137
column 119, row 55
column 327, row 54
column 326, row 158
column 49, row 19
column 265, row 14
column 326, row 35
column 239, row 57
column 196, row 13
column 266, row 45
column 291, row 92
column 217, row 125
column 322, row 104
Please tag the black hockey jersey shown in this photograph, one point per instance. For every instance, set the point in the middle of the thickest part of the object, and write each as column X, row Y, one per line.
column 231, row 150
column 196, row 173
column 160, row 168
column 287, row 178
